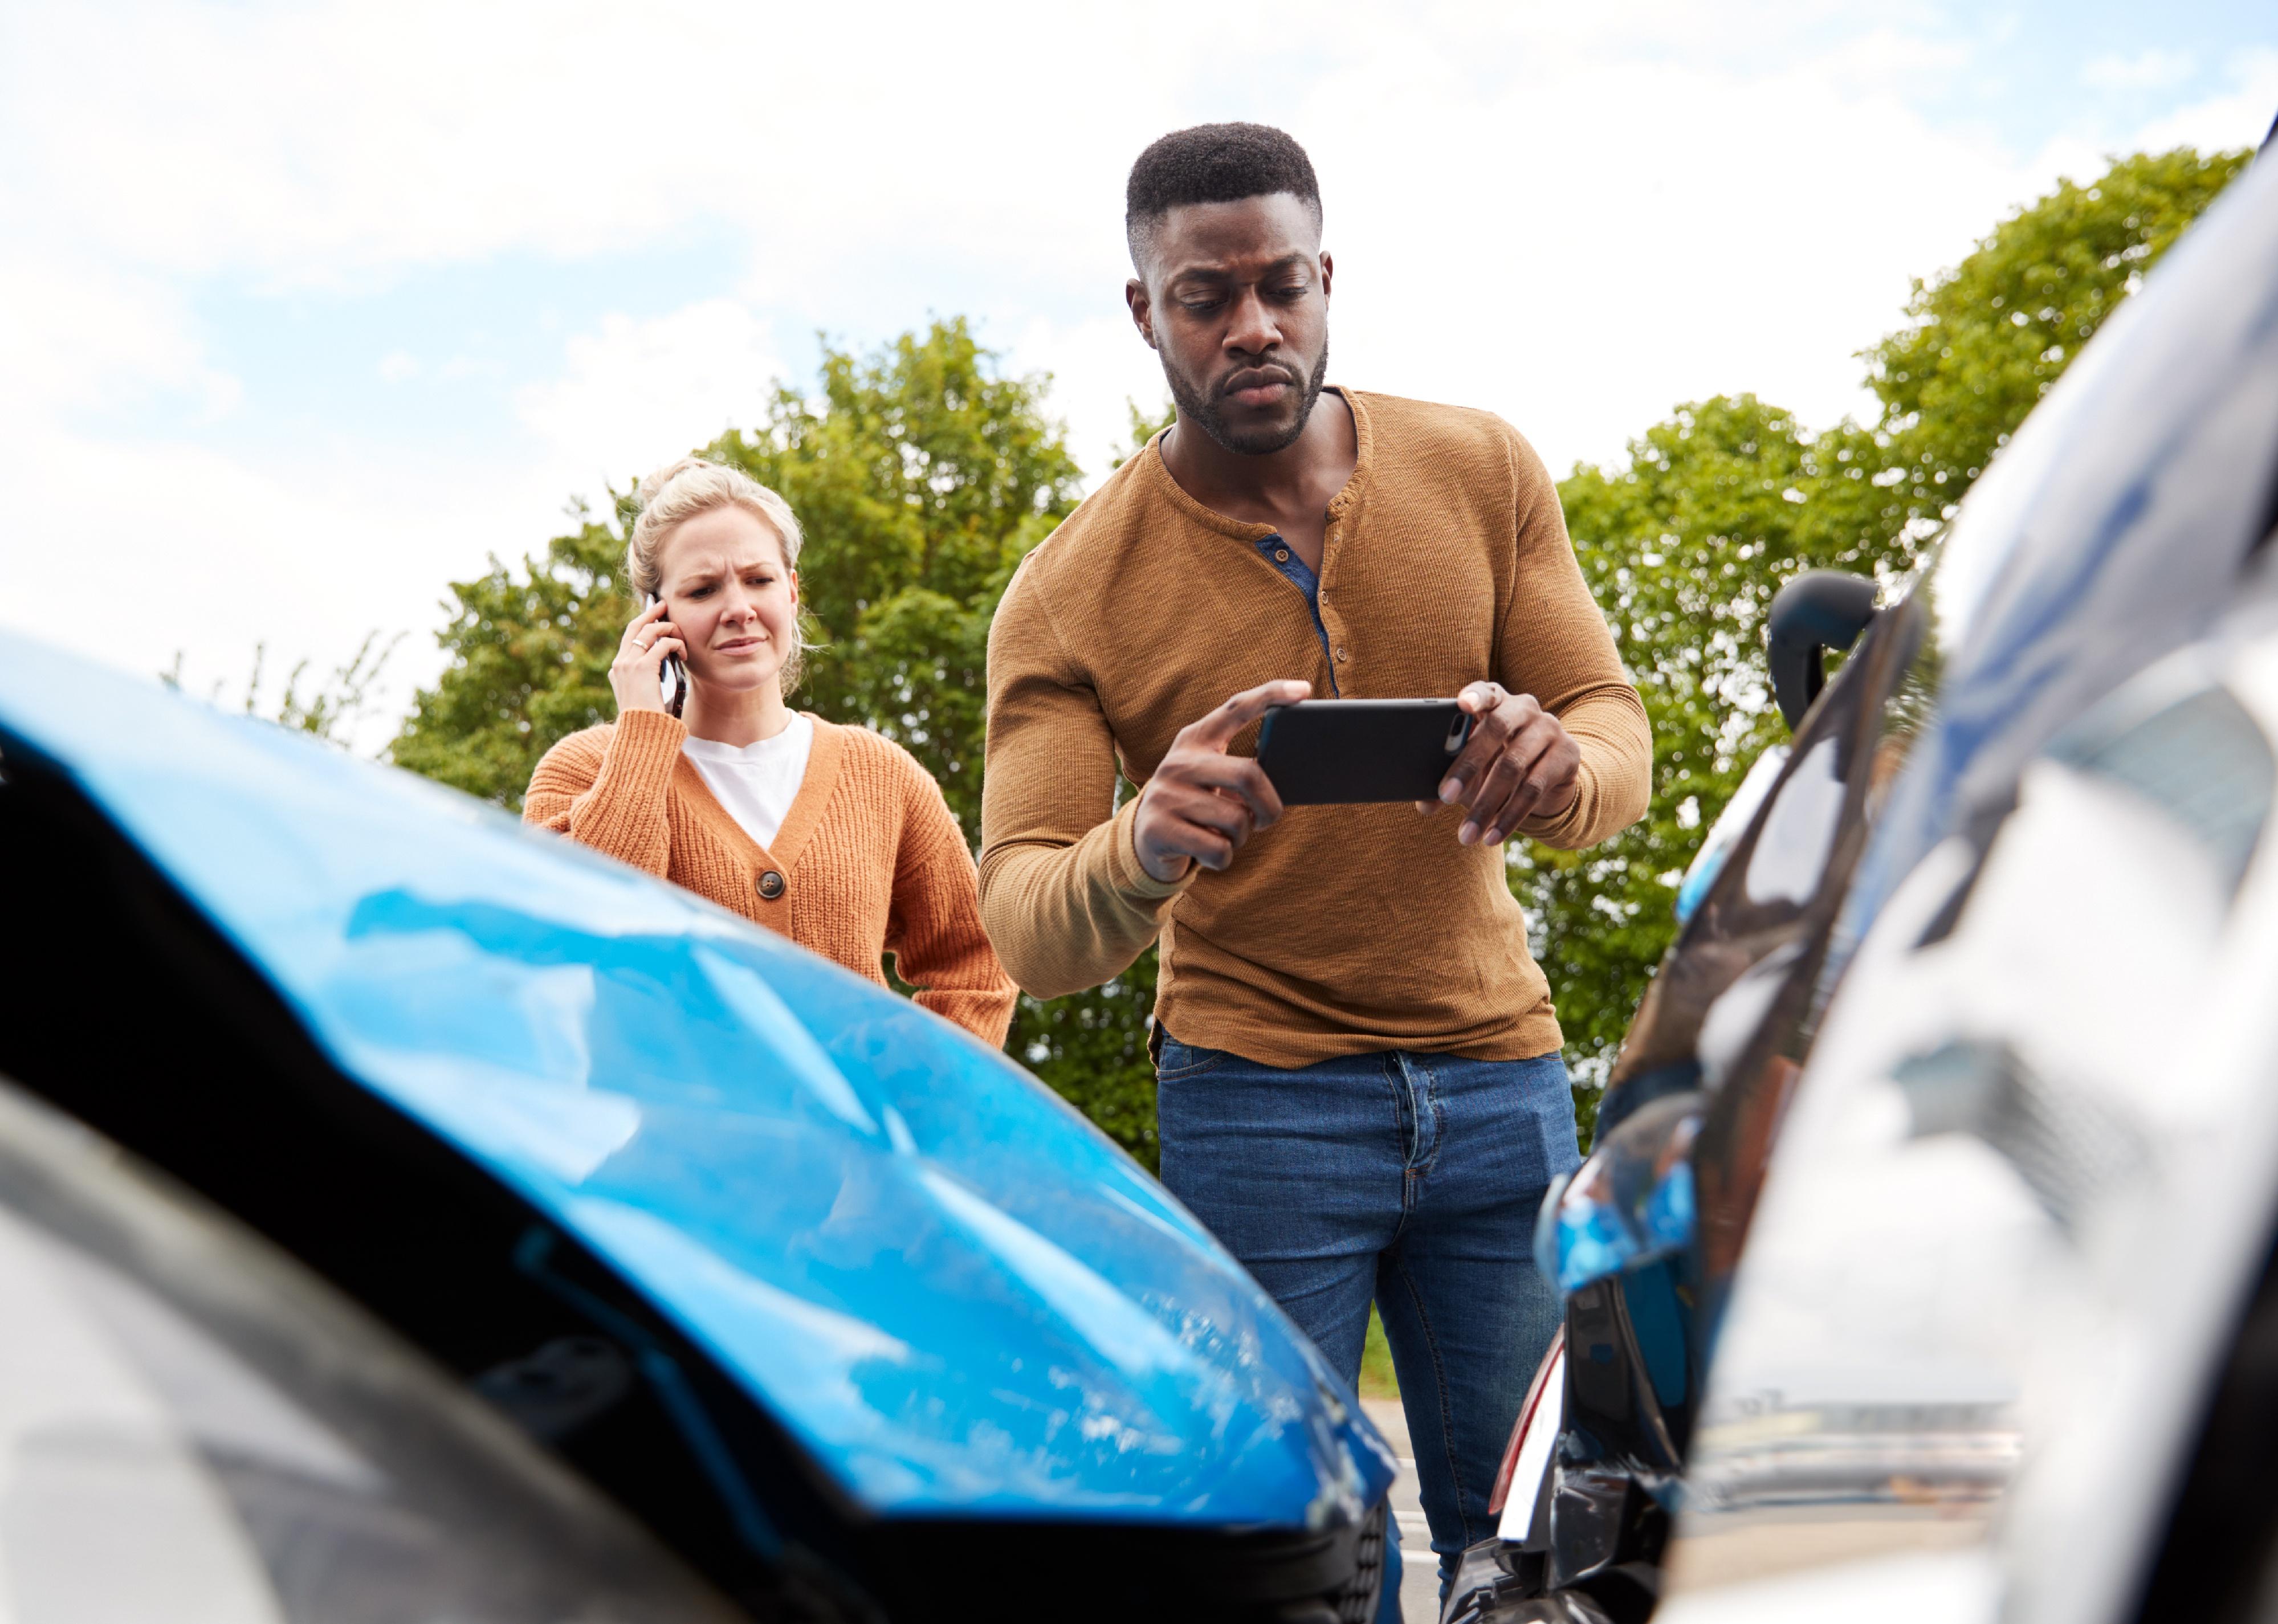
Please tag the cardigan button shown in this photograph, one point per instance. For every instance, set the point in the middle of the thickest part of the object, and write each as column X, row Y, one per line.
column 771, row 885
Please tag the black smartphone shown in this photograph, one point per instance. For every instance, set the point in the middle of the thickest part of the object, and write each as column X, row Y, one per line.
column 1322, row 753
column 672, row 671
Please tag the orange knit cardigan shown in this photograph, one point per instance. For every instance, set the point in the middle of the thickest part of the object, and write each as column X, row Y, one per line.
column 868, row 861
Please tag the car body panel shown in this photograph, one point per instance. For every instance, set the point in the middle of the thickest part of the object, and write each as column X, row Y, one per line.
column 953, row 1292
column 2028, row 1179
column 2028, row 1185
column 1867, row 1403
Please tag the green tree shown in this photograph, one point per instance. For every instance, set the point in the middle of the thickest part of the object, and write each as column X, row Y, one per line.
column 530, row 652
column 1986, row 340
column 1682, row 546
column 1685, row 541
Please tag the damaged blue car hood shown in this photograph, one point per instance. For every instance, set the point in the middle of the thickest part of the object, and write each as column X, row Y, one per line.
column 950, row 1287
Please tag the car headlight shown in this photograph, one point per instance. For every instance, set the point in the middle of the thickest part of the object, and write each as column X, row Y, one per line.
column 1630, row 1203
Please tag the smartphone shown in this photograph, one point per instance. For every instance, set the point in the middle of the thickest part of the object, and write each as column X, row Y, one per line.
column 1322, row 753
column 675, row 674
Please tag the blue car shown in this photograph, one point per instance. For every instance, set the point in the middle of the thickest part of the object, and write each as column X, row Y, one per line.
column 405, row 1216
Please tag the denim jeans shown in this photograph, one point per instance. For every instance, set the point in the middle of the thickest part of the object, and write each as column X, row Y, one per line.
column 1412, row 1180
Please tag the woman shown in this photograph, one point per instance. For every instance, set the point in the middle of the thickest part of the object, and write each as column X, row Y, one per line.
column 833, row 836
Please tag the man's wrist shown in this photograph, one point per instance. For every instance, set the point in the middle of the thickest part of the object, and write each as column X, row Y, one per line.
column 1544, row 816
column 1183, row 866
column 1130, row 874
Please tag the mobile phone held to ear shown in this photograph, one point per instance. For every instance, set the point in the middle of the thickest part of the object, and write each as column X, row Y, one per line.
column 1325, row 753
column 674, row 674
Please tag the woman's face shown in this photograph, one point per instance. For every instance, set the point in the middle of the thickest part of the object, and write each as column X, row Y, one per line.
column 736, row 603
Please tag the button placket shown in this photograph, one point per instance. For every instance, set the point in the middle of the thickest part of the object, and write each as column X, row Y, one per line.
column 1340, row 651
column 1276, row 552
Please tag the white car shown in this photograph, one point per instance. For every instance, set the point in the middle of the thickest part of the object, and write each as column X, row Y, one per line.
column 1923, row 1269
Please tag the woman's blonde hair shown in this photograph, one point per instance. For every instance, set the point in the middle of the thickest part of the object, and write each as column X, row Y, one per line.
column 673, row 495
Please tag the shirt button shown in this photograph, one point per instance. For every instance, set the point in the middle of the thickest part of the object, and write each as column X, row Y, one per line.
column 1343, row 655
column 1280, row 555
column 771, row 885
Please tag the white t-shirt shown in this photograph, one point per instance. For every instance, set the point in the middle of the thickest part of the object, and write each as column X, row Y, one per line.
column 756, row 783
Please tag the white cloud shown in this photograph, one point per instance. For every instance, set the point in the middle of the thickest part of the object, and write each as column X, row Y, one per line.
column 1101, row 368
column 162, row 549
column 2148, row 70
column 82, row 338
column 1591, row 262
column 637, row 393
column 1575, row 215
column 2238, row 117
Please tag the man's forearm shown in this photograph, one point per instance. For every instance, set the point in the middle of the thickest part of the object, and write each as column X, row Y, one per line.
column 1065, row 917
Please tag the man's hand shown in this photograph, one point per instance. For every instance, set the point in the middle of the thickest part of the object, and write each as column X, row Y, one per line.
column 1520, row 762
column 1202, row 803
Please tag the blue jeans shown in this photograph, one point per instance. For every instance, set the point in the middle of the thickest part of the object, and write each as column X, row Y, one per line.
column 1411, row 1179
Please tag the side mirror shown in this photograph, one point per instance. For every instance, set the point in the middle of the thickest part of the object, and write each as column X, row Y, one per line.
column 1821, row 609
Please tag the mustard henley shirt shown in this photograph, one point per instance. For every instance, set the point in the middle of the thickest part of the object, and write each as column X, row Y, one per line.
column 1341, row 930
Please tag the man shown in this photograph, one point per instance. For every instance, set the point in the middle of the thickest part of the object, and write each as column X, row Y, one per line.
column 1360, row 1089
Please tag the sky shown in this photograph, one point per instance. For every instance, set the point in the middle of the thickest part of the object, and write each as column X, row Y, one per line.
column 307, row 311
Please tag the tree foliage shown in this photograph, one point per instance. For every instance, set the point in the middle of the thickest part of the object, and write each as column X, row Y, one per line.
column 1683, row 548
column 1685, row 541
column 530, row 652
column 922, row 477
column 1986, row 340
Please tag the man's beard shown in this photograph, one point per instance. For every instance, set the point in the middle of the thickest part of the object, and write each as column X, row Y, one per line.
column 1257, row 442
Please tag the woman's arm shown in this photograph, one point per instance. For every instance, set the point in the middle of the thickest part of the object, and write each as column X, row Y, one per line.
column 612, row 800
column 934, row 931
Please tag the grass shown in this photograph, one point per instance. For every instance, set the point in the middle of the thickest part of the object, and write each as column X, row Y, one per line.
column 1377, row 1380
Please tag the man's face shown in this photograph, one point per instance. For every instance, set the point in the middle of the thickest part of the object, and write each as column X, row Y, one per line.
column 1235, row 299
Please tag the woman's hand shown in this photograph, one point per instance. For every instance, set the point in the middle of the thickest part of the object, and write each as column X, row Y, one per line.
column 635, row 675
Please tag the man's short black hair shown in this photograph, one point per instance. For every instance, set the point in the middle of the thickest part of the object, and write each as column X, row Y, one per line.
column 1214, row 163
